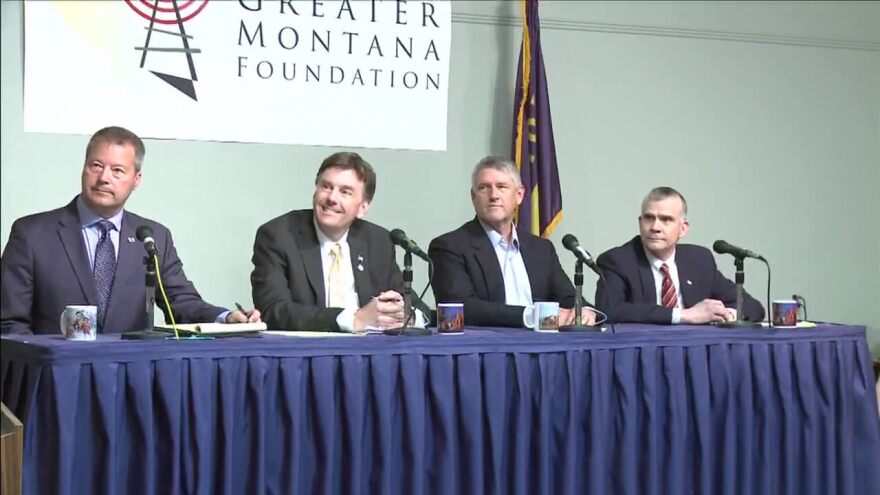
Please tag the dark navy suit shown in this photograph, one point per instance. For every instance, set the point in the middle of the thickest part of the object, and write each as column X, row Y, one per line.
column 629, row 293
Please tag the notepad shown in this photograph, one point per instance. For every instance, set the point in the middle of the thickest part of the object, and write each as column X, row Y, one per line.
column 308, row 334
column 215, row 328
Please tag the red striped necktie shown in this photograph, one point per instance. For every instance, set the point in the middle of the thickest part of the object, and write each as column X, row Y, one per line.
column 668, row 298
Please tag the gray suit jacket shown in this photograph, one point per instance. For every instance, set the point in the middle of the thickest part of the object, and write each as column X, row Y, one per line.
column 45, row 267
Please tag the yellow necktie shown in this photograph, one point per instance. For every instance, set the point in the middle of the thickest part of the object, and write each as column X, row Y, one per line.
column 336, row 293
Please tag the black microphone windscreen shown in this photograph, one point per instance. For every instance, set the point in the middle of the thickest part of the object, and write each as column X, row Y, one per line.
column 570, row 241
column 721, row 247
column 398, row 236
column 143, row 232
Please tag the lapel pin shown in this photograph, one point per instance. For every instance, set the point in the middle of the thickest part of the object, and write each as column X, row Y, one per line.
column 689, row 282
column 131, row 239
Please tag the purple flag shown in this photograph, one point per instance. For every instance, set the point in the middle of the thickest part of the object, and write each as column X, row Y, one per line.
column 533, row 147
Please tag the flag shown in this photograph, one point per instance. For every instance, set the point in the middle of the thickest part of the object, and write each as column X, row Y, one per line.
column 533, row 149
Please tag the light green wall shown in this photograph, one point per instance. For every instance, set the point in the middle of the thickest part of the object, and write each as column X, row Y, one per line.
column 765, row 115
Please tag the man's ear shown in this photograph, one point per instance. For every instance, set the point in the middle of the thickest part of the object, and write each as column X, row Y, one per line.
column 363, row 209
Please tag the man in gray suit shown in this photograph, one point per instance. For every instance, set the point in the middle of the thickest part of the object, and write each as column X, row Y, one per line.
column 86, row 253
column 326, row 268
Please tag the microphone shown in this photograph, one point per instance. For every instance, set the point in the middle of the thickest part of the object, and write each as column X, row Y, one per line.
column 399, row 238
column 723, row 247
column 571, row 243
column 145, row 235
column 802, row 303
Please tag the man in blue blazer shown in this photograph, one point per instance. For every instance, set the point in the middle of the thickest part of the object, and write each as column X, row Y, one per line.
column 496, row 271
column 654, row 279
column 86, row 253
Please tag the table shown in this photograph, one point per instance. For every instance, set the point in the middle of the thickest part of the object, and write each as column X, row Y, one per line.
column 642, row 410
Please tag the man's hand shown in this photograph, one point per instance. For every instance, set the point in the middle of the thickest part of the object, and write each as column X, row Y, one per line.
column 567, row 316
column 246, row 316
column 706, row 311
column 384, row 311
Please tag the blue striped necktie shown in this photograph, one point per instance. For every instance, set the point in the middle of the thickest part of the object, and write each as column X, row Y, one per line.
column 105, row 269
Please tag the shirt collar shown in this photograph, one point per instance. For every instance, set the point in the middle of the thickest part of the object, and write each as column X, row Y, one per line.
column 325, row 242
column 496, row 238
column 657, row 262
column 88, row 218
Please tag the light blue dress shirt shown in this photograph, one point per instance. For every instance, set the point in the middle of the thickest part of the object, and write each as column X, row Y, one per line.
column 517, row 288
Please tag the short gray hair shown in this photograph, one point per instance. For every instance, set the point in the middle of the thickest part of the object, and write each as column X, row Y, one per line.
column 497, row 162
column 122, row 137
column 663, row 192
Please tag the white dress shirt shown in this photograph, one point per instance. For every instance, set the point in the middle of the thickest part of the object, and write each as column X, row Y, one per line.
column 656, row 263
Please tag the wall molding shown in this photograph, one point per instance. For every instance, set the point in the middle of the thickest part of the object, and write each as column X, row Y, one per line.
column 598, row 27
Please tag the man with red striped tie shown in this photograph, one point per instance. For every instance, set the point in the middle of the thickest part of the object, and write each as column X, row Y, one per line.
column 654, row 279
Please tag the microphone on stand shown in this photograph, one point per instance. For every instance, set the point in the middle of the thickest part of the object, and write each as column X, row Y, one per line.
column 399, row 238
column 801, row 302
column 145, row 235
column 571, row 243
column 583, row 256
column 723, row 247
column 739, row 254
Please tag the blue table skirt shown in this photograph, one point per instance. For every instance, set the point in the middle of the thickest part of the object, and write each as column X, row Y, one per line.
column 645, row 410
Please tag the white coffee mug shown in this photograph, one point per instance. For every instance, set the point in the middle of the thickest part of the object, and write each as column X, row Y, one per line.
column 79, row 322
column 545, row 317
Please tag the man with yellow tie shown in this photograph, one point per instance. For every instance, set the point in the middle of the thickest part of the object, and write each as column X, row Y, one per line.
column 326, row 268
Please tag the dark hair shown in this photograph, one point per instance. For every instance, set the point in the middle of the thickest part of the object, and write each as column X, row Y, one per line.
column 119, row 135
column 661, row 193
column 347, row 160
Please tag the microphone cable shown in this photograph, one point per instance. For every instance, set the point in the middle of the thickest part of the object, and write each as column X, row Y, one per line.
column 608, row 318
column 769, row 308
column 165, row 297
column 802, row 303
column 412, row 313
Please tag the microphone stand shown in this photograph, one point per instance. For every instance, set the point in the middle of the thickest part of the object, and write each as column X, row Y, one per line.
column 148, row 333
column 578, row 302
column 408, row 312
column 740, row 280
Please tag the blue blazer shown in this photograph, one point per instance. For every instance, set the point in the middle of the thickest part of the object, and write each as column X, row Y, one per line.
column 629, row 293
column 45, row 267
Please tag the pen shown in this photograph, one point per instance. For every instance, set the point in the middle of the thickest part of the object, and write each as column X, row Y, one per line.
column 240, row 308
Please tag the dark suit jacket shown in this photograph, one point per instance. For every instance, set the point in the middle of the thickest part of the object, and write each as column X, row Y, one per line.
column 466, row 270
column 45, row 267
column 288, row 277
column 629, row 293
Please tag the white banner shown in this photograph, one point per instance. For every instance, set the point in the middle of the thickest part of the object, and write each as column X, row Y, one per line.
column 365, row 73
